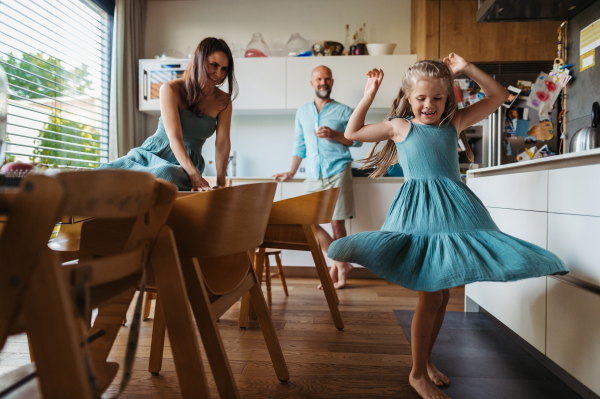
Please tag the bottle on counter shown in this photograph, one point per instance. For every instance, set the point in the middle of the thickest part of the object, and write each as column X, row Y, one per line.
column 231, row 165
column 347, row 41
column 353, row 46
column 361, row 47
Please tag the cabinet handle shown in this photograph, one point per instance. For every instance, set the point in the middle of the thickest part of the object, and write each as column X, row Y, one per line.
column 499, row 133
column 145, row 85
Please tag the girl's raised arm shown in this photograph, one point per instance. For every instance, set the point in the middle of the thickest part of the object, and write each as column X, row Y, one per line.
column 356, row 129
column 495, row 94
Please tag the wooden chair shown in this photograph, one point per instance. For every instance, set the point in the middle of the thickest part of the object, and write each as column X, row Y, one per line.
column 151, row 293
column 39, row 298
column 216, row 234
column 292, row 226
column 267, row 273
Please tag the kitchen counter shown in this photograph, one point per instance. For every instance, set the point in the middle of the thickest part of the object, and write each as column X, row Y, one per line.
column 301, row 180
column 590, row 157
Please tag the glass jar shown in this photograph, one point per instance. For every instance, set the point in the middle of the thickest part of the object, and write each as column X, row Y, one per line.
column 3, row 112
column 257, row 47
column 297, row 47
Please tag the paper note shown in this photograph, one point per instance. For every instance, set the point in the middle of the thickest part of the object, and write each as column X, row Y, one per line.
column 589, row 37
column 544, row 92
column 587, row 60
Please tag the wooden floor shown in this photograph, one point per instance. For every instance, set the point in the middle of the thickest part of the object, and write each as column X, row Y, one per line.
column 370, row 358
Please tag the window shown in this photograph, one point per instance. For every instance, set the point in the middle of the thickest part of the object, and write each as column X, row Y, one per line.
column 57, row 56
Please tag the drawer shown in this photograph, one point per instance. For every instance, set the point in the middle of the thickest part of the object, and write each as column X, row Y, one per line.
column 576, row 240
column 526, row 225
column 573, row 331
column 520, row 305
column 575, row 190
column 527, row 191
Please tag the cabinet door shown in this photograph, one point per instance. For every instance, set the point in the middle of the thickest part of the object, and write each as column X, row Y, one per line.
column 575, row 190
column 372, row 201
column 520, row 305
column 575, row 239
column 349, row 78
column 527, row 191
column 261, row 82
column 573, row 331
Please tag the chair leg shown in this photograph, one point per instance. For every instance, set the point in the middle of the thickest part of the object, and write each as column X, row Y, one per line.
column 147, row 304
column 211, row 337
column 31, row 358
column 321, row 266
column 157, row 344
column 174, row 309
column 281, row 275
column 50, row 326
column 266, row 325
column 268, row 280
column 244, row 311
column 259, row 263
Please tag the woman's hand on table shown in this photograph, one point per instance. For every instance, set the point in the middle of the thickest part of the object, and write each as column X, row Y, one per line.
column 199, row 184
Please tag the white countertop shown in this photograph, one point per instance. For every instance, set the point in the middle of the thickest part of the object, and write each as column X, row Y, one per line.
column 574, row 159
column 301, row 180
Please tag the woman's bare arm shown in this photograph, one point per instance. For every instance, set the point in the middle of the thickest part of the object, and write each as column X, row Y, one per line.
column 223, row 144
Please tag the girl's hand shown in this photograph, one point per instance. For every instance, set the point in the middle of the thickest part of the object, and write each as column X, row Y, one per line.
column 199, row 184
column 373, row 83
column 456, row 63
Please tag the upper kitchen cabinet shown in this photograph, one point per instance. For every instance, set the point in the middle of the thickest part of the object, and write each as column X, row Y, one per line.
column 440, row 27
column 261, row 82
column 349, row 75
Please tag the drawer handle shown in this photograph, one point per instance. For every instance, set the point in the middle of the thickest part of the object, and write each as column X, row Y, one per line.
column 145, row 85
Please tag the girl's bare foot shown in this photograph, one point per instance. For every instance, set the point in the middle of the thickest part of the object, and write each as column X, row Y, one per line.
column 436, row 376
column 425, row 387
column 344, row 270
column 334, row 275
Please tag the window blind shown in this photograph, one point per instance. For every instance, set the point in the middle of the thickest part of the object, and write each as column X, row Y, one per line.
column 56, row 54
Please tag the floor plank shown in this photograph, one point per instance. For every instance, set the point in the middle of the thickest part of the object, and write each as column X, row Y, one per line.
column 370, row 358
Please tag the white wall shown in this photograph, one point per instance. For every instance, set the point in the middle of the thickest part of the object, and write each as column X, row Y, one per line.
column 263, row 143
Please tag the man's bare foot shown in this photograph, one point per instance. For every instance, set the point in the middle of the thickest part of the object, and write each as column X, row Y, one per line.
column 436, row 376
column 334, row 275
column 344, row 270
column 425, row 387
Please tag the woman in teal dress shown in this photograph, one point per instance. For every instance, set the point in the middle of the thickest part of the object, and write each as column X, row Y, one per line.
column 437, row 234
column 191, row 108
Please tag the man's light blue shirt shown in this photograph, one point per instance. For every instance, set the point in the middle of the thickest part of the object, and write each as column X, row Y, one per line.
column 324, row 157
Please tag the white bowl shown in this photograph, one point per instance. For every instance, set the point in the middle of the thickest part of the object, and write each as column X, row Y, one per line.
column 381, row 48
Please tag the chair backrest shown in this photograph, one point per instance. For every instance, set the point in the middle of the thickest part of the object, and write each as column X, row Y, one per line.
column 222, row 222
column 314, row 208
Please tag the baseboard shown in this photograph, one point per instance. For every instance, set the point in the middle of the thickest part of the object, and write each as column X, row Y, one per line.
column 311, row 272
column 567, row 378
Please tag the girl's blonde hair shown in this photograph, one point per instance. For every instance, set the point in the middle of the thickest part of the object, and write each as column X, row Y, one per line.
column 429, row 69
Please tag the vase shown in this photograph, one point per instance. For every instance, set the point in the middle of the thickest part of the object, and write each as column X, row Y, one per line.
column 297, row 47
column 257, row 47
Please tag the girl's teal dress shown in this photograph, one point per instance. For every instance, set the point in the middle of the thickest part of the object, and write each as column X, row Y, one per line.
column 155, row 155
column 437, row 233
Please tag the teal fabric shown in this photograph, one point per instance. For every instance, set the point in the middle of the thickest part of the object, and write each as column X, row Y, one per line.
column 324, row 157
column 437, row 233
column 155, row 155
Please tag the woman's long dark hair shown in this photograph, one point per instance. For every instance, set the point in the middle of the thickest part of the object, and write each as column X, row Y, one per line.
column 195, row 77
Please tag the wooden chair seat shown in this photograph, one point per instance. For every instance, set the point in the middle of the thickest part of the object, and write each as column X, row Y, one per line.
column 291, row 226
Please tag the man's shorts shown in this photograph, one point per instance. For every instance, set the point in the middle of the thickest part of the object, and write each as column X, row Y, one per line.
column 344, row 208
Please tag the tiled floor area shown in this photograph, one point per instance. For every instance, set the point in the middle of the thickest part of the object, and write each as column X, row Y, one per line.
column 482, row 361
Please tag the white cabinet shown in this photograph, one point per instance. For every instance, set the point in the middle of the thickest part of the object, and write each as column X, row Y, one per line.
column 520, row 305
column 527, row 191
column 372, row 201
column 575, row 190
column 261, row 83
column 576, row 240
column 573, row 340
column 349, row 78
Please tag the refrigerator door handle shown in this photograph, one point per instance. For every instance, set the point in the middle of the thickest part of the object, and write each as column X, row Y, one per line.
column 499, row 136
